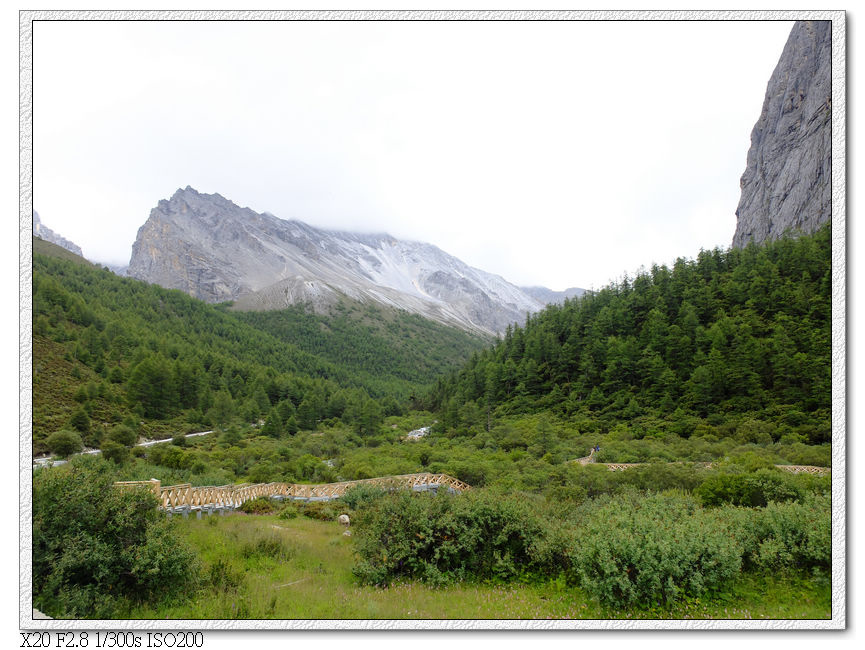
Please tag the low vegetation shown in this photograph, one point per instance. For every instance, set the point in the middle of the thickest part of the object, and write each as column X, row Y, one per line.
column 629, row 549
column 317, row 581
column 97, row 549
column 708, row 376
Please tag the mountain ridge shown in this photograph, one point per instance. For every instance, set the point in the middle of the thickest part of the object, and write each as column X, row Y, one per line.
column 550, row 297
column 46, row 234
column 215, row 250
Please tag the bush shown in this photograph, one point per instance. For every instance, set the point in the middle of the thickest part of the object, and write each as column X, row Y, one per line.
column 756, row 431
column 123, row 435
column 802, row 454
column 223, row 577
column 258, row 506
column 64, row 443
column 289, row 511
column 663, row 476
column 230, row 437
column 785, row 535
column 94, row 543
column 755, row 490
column 170, row 456
column 321, row 510
column 637, row 551
column 361, row 496
column 477, row 535
column 115, row 452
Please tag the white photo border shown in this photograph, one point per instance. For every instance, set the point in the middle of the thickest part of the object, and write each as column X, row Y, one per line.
column 839, row 331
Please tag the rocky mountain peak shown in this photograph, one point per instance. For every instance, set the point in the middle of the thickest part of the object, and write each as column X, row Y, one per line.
column 786, row 186
column 207, row 246
column 43, row 232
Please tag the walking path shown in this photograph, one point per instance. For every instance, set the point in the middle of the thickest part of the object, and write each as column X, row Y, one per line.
column 618, row 467
column 43, row 461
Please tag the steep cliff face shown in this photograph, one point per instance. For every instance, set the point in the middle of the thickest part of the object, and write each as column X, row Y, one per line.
column 208, row 247
column 49, row 235
column 787, row 182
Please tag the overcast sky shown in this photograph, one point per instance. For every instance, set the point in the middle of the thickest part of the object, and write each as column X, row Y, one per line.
column 552, row 153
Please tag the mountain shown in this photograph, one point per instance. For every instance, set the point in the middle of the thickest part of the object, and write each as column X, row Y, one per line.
column 550, row 297
column 786, row 185
column 49, row 235
column 732, row 338
column 115, row 348
column 43, row 247
column 210, row 248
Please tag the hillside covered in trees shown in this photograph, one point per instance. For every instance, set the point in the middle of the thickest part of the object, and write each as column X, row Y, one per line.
column 734, row 342
column 109, row 350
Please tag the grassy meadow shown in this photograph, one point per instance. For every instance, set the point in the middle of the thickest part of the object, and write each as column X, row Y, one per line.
column 264, row 567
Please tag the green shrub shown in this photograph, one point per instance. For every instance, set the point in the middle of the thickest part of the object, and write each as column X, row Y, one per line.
column 223, row 577
column 115, row 452
column 756, row 489
column 80, row 421
column 321, row 510
column 802, row 454
column 289, row 511
column 230, row 437
column 123, row 435
column 785, row 535
column 756, row 431
column 751, row 458
column 258, row 506
column 638, row 551
column 361, row 496
column 478, row 535
column 94, row 544
column 170, row 456
column 64, row 443
column 662, row 476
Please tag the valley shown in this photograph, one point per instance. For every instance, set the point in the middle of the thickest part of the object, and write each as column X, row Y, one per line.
column 704, row 396
column 367, row 427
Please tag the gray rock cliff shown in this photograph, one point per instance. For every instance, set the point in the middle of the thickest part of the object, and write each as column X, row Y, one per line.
column 210, row 248
column 786, row 186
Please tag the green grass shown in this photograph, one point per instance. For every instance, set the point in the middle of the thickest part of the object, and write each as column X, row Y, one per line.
column 263, row 567
column 42, row 247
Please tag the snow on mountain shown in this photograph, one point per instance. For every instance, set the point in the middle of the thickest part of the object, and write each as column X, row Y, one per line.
column 215, row 250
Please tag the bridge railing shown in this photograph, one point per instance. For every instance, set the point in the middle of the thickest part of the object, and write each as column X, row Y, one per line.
column 805, row 469
column 233, row 496
column 618, row 467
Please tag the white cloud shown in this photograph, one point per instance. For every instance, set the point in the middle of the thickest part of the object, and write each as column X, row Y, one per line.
column 556, row 153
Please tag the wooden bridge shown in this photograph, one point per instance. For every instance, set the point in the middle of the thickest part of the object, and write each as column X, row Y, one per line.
column 227, row 497
column 619, row 467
